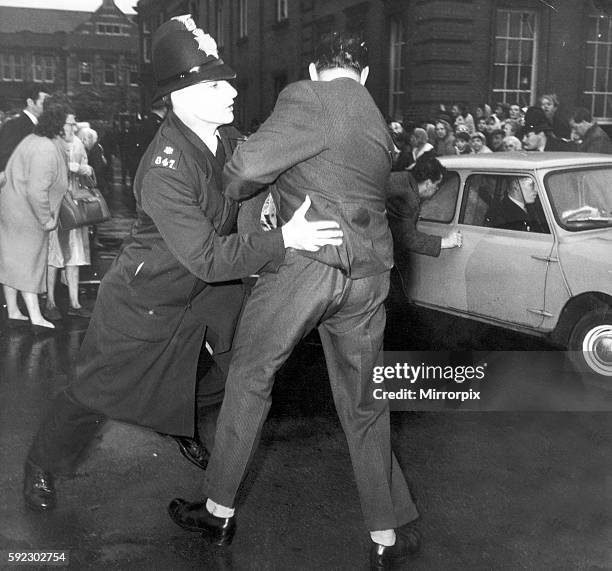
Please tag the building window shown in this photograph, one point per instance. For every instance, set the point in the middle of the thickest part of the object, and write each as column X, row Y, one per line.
column 282, row 10
column 396, row 70
column 146, row 43
column 219, row 37
column 109, row 29
column 598, row 82
column 84, row 72
column 43, row 69
column 516, row 43
column 242, row 18
column 110, row 73
column 133, row 74
column 11, row 67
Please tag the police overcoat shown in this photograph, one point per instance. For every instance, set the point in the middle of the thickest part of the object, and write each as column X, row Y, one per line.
column 170, row 286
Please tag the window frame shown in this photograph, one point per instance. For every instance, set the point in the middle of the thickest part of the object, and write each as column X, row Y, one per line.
column 9, row 61
column 502, row 94
column 133, row 72
column 46, row 66
column 397, row 67
column 282, row 10
column 243, row 21
column 147, row 42
column 112, row 66
column 593, row 93
column 81, row 64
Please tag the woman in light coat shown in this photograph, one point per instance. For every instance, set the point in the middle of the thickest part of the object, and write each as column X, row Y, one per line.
column 69, row 249
column 30, row 198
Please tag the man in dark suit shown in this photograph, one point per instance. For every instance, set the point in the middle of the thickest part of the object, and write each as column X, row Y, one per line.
column 520, row 209
column 325, row 139
column 176, row 282
column 13, row 131
column 406, row 191
column 593, row 139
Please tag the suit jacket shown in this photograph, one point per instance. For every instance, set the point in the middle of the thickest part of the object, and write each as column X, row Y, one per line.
column 328, row 140
column 403, row 207
column 170, row 286
column 11, row 134
column 595, row 140
column 509, row 215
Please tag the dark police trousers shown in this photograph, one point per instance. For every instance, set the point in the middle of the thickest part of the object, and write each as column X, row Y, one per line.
column 350, row 317
column 70, row 426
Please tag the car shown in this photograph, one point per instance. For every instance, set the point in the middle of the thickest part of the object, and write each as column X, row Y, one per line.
column 551, row 277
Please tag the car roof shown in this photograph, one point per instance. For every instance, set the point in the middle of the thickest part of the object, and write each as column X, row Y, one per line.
column 523, row 160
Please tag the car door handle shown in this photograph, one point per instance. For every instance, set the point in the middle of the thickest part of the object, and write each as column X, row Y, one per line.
column 540, row 312
column 544, row 258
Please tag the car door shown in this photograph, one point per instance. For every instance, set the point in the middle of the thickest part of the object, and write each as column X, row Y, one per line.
column 498, row 274
column 504, row 268
column 430, row 277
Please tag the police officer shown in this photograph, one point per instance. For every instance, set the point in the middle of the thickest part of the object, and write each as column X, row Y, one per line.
column 174, row 284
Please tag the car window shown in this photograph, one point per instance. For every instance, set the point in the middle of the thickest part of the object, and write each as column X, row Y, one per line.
column 441, row 206
column 480, row 192
column 508, row 202
column 581, row 199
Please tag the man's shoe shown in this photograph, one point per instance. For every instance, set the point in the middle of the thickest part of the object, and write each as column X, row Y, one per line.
column 38, row 488
column 193, row 450
column 195, row 517
column 407, row 542
column 79, row 312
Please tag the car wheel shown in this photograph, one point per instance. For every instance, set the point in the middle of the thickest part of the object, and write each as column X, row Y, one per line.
column 590, row 344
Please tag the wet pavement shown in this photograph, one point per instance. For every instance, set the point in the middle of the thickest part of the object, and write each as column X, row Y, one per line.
column 497, row 490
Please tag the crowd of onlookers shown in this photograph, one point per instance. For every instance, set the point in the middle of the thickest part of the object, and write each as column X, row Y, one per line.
column 458, row 130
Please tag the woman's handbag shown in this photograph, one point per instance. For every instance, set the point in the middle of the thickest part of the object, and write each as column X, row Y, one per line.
column 84, row 207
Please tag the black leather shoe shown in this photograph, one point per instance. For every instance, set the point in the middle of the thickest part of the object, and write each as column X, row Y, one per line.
column 38, row 488
column 195, row 517
column 193, row 450
column 407, row 542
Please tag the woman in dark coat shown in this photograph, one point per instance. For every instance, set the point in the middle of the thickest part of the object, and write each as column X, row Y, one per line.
column 36, row 181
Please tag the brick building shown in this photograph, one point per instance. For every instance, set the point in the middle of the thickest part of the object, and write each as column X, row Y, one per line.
column 93, row 57
column 422, row 52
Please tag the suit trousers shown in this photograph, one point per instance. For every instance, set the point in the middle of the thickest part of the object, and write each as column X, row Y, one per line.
column 70, row 426
column 350, row 317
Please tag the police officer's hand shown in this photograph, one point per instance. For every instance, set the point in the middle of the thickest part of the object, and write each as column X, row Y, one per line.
column 300, row 234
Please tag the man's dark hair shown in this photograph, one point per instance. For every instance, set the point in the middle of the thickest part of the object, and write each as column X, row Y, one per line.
column 30, row 91
column 52, row 119
column 341, row 50
column 580, row 114
column 428, row 167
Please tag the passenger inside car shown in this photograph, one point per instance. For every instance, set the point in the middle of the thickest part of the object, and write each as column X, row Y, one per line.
column 520, row 208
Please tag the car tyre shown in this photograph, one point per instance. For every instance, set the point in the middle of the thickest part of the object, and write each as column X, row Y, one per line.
column 590, row 345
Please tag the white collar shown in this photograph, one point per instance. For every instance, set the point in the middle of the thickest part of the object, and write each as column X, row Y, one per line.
column 32, row 117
